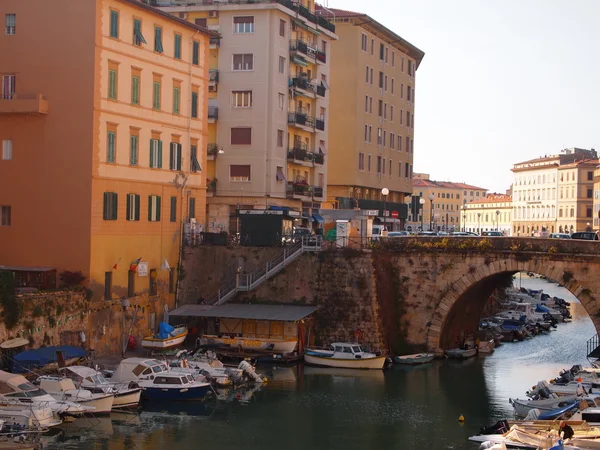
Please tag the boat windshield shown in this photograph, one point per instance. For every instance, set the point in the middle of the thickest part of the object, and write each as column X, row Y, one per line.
column 189, row 377
column 96, row 379
column 28, row 391
column 356, row 349
column 185, row 380
column 158, row 369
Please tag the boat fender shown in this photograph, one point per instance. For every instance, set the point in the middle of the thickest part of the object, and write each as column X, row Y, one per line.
column 461, row 418
column 185, row 364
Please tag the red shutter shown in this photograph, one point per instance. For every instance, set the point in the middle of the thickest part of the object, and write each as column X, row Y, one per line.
column 241, row 136
column 243, row 19
column 200, row 22
column 239, row 171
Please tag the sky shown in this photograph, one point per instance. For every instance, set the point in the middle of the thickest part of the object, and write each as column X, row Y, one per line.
column 501, row 82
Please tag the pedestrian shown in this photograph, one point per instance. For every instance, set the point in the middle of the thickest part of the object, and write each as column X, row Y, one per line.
column 565, row 431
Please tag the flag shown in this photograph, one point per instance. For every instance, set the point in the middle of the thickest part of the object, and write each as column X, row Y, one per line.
column 134, row 265
column 116, row 264
column 165, row 265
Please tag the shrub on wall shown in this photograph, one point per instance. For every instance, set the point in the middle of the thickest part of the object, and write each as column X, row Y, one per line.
column 11, row 305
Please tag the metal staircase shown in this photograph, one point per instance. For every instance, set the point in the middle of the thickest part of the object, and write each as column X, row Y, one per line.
column 593, row 347
column 249, row 282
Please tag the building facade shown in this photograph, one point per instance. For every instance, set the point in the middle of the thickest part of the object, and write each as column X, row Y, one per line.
column 373, row 105
column 547, row 190
column 268, row 106
column 104, row 179
column 491, row 213
column 440, row 209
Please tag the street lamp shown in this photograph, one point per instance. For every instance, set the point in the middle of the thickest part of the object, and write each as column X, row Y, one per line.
column 464, row 222
column 431, row 197
column 588, row 227
column 408, row 201
column 384, row 192
column 421, row 202
column 478, row 228
column 497, row 220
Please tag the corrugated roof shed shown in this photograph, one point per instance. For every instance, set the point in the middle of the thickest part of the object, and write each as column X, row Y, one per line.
column 239, row 311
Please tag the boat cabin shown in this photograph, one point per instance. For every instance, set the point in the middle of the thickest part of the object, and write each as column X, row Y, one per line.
column 173, row 379
column 134, row 369
column 83, row 375
column 17, row 386
column 56, row 384
column 340, row 347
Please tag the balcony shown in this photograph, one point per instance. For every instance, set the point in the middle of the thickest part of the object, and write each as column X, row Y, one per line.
column 213, row 114
column 320, row 124
column 301, row 120
column 24, row 104
column 213, row 75
column 300, row 155
column 299, row 46
column 214, row 43
column 309, row 88
column 301, row 190
column 211, row 187
column 212, row 151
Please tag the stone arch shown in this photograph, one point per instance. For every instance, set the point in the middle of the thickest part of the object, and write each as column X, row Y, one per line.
column 567, row 273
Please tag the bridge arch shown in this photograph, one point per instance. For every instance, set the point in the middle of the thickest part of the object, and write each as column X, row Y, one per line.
column 463, row 300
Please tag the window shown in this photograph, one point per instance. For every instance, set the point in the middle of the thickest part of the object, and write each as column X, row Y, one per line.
column 177, row 50
column 111, row 202
column 111, row 143
column 5, row 216
column 153, row 288
column 242, row 99
column 590, row 176
column 281, row 64
column 239, row 173
column 402, row 65
column 154, row 208
column 369, row 163
column 371, row 76
column 381, row 51
column 379, row 136
column 11, row 24
column 361, row 161
column 588, row 212
column 133, row 207
column 138, row 37
column 370, row 129
column 372, row 47
column 392, row 86
column 366, row 103
column 158, row 47
column 391, row 113
column 114, row 24
column 135, row 89
column 399, row 143
column 176, row 99
column 112, row 84
column 367, row 77
column 379, row 164
column 195, row 105
column 155, row 153
column 390, row 165
column 385, row 84
column 195, row 164
column 363, row 44
column 380, row 108
column 156, row 94
column 407, row 147
column 241, row 136
column 366, row 133
column 196, row 53
column 408, row 119
column 392, row 140
column 107, row 285
column 280, row 101
column 134, row 150
column 393, row 58
column 7, row 149
column 201, row 22
column 406, row 170
column 408, row 91
column 243, row 62
column 401, row 90
column 400, row 169
column 282, row 27
column 175, row 156
column 279, row 138
column 130, row 283
column 173, row 211
column 192, row 208
column 8, row 86
column 243, row 25
column 590, row 193
column 381, row 80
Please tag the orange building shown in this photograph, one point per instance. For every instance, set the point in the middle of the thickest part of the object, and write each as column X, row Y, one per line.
column 103, row 110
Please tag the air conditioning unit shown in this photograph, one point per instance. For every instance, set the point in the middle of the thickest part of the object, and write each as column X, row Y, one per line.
column 213, row 14
column 212, row 88
column 183, row 15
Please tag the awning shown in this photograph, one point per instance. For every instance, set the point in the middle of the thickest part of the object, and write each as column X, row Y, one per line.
column 305, row 27
column 318, row 218
column 299, row 61
column 239, row 311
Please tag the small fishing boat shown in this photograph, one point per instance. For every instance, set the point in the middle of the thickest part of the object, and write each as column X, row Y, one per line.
column 63, row 389
column 344, row 355
column 254, row 343
column 460, row 353
column 417, row 358
column 167, row 337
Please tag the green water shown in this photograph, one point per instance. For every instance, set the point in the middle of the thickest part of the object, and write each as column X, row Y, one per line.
column 314, row 408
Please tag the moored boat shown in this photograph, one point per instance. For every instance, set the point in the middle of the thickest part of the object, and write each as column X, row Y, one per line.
column 344, row 355
column 417, row 358
column 63, row 389
column 254, row 343
column 460, row 353
column 167, row 337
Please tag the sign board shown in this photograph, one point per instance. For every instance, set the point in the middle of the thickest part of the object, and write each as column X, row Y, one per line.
column 395, row 214
column 142, row 269
column 371, row 212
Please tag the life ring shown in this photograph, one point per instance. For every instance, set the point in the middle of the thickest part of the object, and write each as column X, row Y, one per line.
column 358, row 334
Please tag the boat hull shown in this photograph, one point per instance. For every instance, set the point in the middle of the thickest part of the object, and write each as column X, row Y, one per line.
column 126, row 400
column 170, row 342
column 456, row 353
column 367, row 363
column 421, row 358
column 260, row 344
column 194, row 393
column 102, row 404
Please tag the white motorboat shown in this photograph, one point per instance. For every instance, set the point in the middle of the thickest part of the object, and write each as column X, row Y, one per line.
column 417, row 358
column 92, row 380
column 344, row 355
column 461, row 353
column 32, row 416
column 570, row 388
column 63, row 389
column 16, row 388
column 167, row 337
column 523, row 406
column 486, row 346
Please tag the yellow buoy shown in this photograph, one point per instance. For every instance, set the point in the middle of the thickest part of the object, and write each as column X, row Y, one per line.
column 461, row 418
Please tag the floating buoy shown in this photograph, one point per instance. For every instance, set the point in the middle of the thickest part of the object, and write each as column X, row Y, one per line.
column 265, row 379
column 239, row 395
column 461, row 418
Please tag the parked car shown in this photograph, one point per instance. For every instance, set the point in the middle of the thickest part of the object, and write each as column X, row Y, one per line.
column 461, row 233
column 427, row 233
column 492, row 233
column 585, row 235
column 394, row 234
column 560, row 236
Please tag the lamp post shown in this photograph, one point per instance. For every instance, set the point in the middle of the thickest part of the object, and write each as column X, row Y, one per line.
column 588, row 227
column 421, row 203
column 464, row 228
column 497, row 220
column 408, row 211
column 384, row 192
column 478, row 227
column 431, row 197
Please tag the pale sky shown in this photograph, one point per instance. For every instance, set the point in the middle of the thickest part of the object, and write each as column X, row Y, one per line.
column 502, row 81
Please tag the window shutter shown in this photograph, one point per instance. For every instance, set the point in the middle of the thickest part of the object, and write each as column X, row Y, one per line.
column 194, row 104
column 151, row 153
column 128, row 213
column 195, row 57
column 173, row 209
column 149, row 208
column 160, row 154
column 179, row 154
column 115, row 206
column 158, row 209
column 137, row 207
column 105, row 208
column 172, row 150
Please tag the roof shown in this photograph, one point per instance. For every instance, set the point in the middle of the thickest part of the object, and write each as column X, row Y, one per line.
column 286, row 313
column 493, row 198
column 14, row 343
column 583, row 162
column 27, row 269
column 413, row 51
column 82, row 371
column 420, row 182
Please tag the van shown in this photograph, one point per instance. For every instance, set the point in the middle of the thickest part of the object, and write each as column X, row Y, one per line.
column 585, row 235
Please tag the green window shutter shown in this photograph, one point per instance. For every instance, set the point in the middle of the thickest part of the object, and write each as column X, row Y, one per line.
column 114, row 24
column 158, row 40
column 133, row 153
column 138, row 37
column 105, row 211
column 151, row 153
column 194, row 104
column 160, row 158
column 176, row 101
column 173, row 209
column 177, row 51
column 192, row 208
column 112, row 84
column 179, row 152
column 110, row 151
column 135, row 90
column 115, row 206
column 127, row 213
column 156, row 99
column 150, row 208
column 196, row 53
column 172, row 156
column 158, row 209
column 137, row 207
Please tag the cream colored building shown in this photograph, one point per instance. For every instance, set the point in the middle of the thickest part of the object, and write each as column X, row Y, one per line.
column 537, row 187
column 269, row 109
column 491, row 213
column 373, row 76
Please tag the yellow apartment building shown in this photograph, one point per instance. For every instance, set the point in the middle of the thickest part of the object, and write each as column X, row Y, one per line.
column 101, row 123
column 268, row 107
column 491, row 213
column 576, row 196
column 440, row 209
column 373, row 109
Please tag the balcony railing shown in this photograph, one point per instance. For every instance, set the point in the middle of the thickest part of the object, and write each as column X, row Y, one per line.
column 215, row 42
column 303, row 83
column 324, row 23
column 19, row 103
column 213, row 75
column 212, row 150
column 297, row 45
column 213, row 112
column 301, row 189
column 211, row 186
column 301, row 154
column 320, row 124
column 302, row 119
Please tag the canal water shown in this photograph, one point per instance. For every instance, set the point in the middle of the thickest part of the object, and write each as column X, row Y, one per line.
column 314, row 408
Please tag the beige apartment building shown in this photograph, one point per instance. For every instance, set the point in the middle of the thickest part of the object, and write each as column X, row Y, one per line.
column 491, row 213
column 373, row 115
column 268, row 106
column 436, row 205
column 554, row 193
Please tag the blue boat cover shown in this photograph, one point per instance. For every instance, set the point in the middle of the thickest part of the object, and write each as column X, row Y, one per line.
column 555, row 413
column 164, row 330
column 32, row 359
column 541, row 308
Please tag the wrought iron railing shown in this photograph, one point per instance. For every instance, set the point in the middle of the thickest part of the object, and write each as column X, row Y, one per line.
column 213, row 112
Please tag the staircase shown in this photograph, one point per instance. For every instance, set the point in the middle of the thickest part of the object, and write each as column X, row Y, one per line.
column 593, row 347
column 249, row 282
